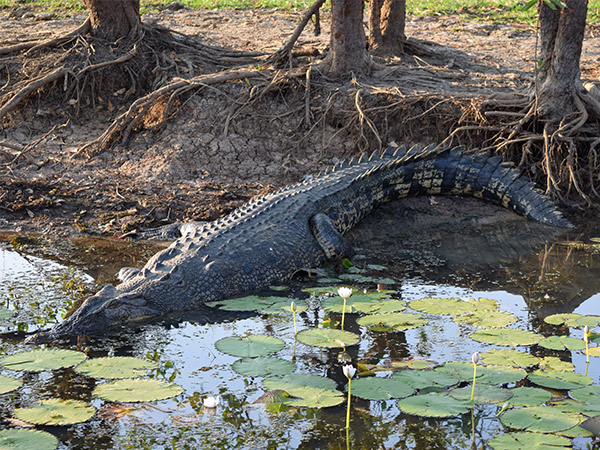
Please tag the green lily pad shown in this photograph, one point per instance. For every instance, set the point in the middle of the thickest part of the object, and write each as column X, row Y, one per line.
column 440, row 306
column 575, row 432
column 543, row 419
column 422, row 379
column 562, row 343
column 586, row 409
column 263, row 366
column 249, row 346
column 560, row 319
column 5, row 314
column 486, row 319
column 27, row 440
column 392, row 321
column 8, row 384
column 433, row 405
column 56, row 412
column 137, row 390
column 295, row 382
column 40, row 360
column 484, row 394
column 376, row 388
column 324, row 290
column 115, row 367
column 267, row 305
column 554, row 379
column 312, row 391
column 508, row 337
column 364, row 303
column 527, row 440
column 555, row 363
column 573, row 320
column 593, row 351
column 485, row 374
column 327, row 337
column 588, row 394
column 529, row 396
column 509, row 357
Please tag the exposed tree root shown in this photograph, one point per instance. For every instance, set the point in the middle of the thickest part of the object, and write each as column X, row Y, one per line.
column 563, row 158
column 91, row 71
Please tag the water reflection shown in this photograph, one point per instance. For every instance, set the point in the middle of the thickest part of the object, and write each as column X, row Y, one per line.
column 521, row 265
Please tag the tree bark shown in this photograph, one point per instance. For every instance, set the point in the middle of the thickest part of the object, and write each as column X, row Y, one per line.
column 113, row 19
column 558, row 77
column 347, row 48
column 387, row 24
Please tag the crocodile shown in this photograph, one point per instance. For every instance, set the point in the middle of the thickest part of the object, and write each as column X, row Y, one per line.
column 299, row 226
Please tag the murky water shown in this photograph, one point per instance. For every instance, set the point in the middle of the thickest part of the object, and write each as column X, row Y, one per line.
column 524, row 267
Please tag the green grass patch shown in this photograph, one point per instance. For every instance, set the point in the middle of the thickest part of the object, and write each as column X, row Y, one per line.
column 497, row 11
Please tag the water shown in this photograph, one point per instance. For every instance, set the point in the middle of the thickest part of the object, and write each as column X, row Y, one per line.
column 522, row 266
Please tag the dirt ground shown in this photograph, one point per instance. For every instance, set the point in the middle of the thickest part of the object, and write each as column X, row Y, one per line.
column 215, row 154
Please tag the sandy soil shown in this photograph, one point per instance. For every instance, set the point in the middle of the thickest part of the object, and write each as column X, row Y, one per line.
column 195, row 168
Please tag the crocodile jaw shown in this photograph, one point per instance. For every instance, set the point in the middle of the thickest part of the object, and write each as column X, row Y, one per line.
column 107, row 309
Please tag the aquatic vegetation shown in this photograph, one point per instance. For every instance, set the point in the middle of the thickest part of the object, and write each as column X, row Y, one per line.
column 475, row 359
column 136, row 390
column 327, row 337
column 115, row 367
column 16, row 439
column 345, row 293
column 249, row 346
column 56, row 411
column 263, row 366
column 349, row 372
column 40, row 360
column 211, row 402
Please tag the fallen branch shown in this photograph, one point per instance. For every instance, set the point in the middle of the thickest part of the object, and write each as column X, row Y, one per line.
column 285, row 51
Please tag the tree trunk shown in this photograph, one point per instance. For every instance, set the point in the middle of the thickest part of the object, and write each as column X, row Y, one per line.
column 387, row 23
column 347, row 47
column 113, row 19
column 558, row 77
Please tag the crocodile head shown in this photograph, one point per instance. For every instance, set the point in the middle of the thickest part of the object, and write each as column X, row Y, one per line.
column 107, row 309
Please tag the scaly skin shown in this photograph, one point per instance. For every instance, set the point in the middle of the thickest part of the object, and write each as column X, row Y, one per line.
column 299, row 226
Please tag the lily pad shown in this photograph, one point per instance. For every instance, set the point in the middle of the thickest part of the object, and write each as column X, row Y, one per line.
column 27, row 440
column 555, row 363
column 249, row 346
column 5, row 314
column 509, row 357
column 312, row 391
column 588, row 394
column 327, row 337
column 392, row 321
column 364, row 303
column 508, row 337
column 543, row 419
column 560, row 319
column 485, row 374
column 115, row 367
column 440, row 306
column 426, row 378
column 587, row 409
column 137, row 390
column 376, row 388
column 554, row 379
column 268, row 305
column 484, row 394
column 263, row 366
column 40, row 360
column 8, row 384
column 486, row 319
column 433, row 405
column 56, row 412
column 529, row 396
column 527, row 440
column 562, row 343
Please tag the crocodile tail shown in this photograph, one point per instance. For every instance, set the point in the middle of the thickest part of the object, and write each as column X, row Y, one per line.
column 457, row 171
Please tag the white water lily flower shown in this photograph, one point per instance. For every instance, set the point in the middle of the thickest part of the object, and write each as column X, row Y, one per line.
column 345, row 292
column 475, row 358
column 586, row 338
column 293, row 306
column 349, row 370
column 211, row 402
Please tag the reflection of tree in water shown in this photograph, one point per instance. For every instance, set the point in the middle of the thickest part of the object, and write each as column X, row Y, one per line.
column 489, row 249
